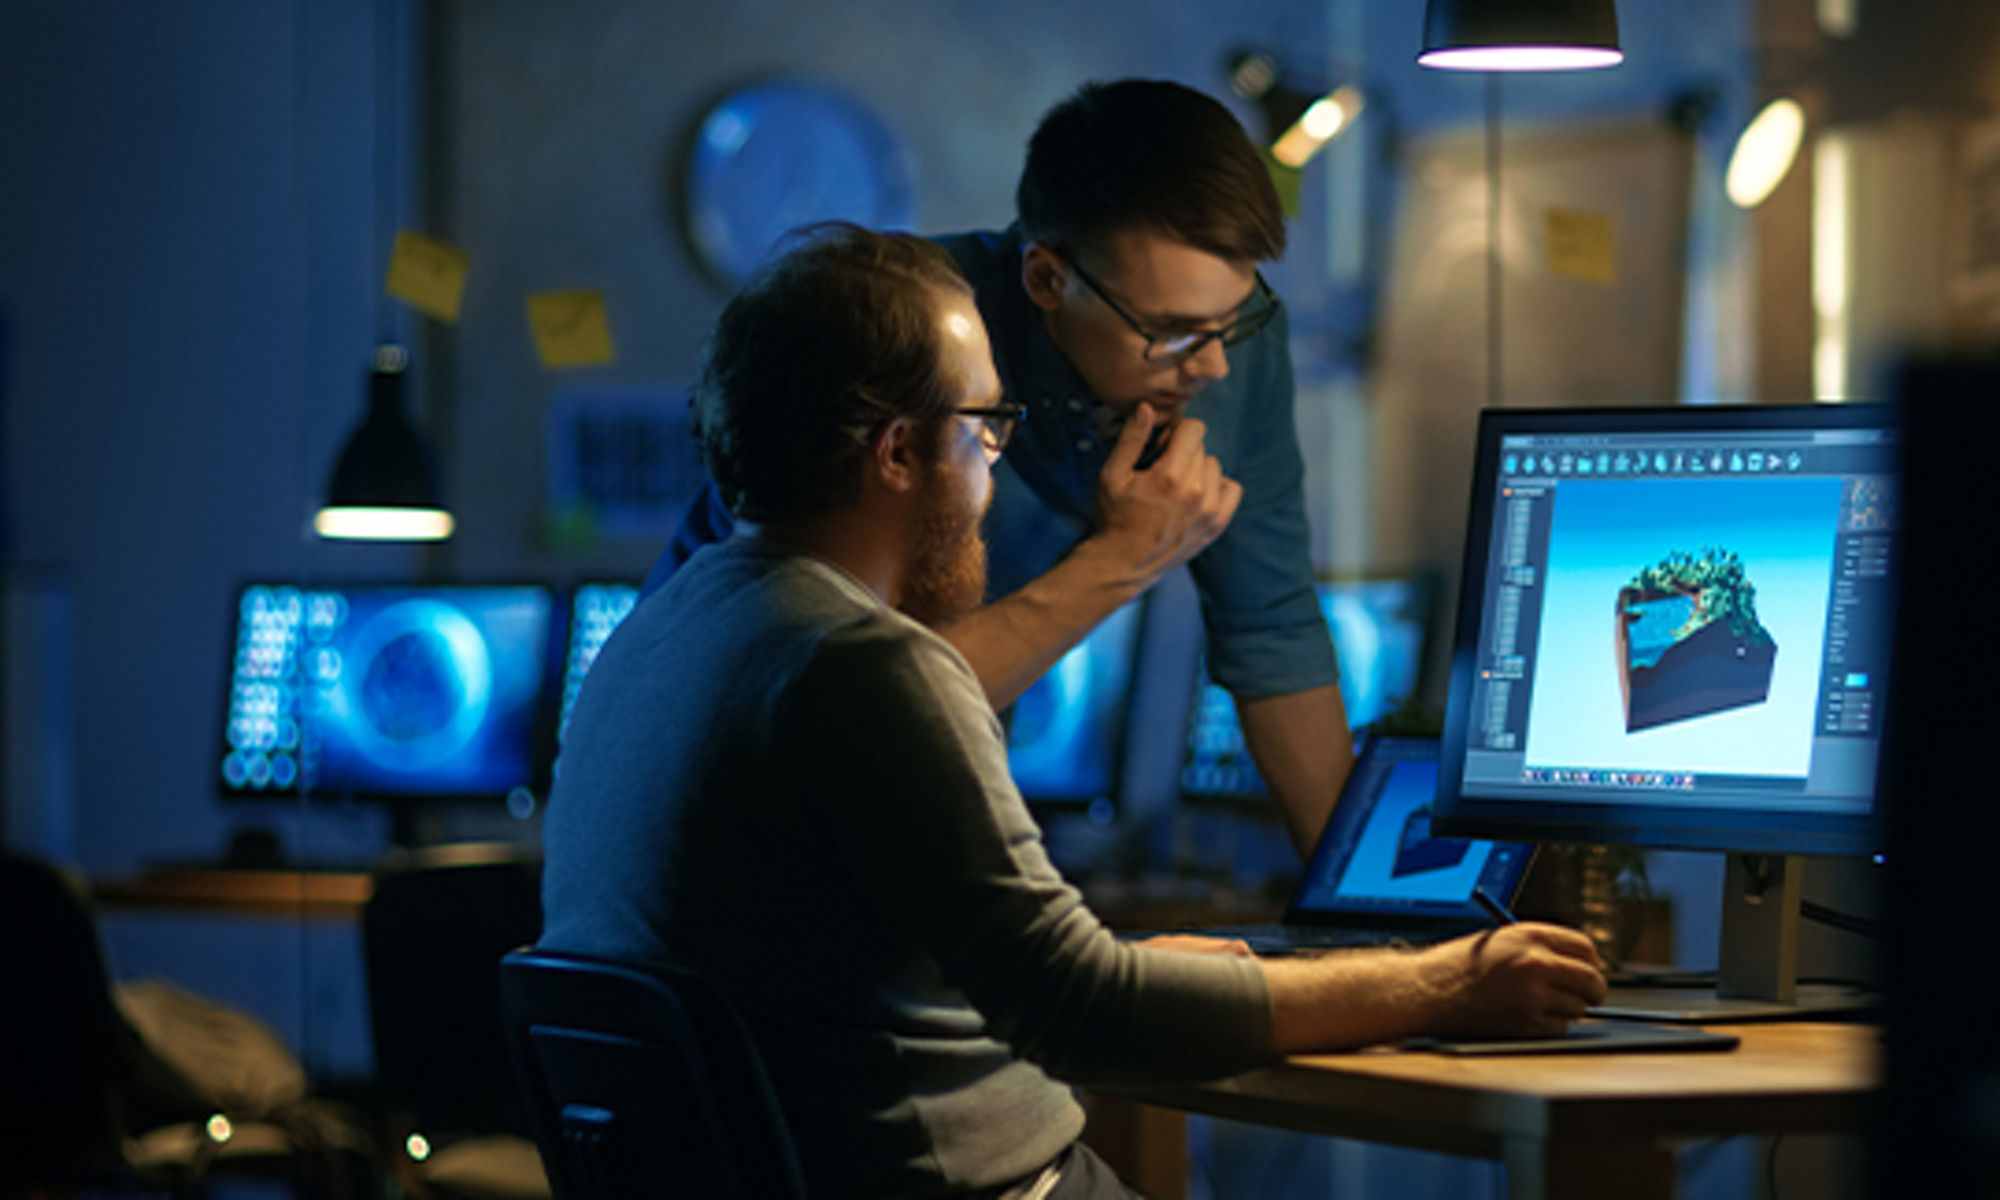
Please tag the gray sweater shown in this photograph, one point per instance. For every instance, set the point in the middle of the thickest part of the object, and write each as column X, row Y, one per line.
column 772, row 778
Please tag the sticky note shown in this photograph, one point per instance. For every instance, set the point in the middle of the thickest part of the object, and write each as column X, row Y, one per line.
column 1582, row 245
column 570, row 328
column 429, row 274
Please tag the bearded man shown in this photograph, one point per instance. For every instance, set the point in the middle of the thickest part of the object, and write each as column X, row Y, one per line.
column 778, row 776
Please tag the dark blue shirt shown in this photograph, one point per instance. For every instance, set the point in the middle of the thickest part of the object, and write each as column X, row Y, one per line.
column 1266, row 636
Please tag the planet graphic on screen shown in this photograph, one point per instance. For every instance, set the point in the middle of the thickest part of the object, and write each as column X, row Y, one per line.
column 420, row 679
column 411, row 689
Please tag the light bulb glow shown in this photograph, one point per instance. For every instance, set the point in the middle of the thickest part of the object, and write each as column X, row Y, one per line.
column 384, row 524
column 1765, row 152
column 1324, row 120
column 1522, row 58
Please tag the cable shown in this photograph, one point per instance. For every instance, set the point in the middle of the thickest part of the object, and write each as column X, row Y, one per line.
column 1846, row 922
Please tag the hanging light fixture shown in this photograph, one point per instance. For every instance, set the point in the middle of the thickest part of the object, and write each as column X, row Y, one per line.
column 384, row 488
column 1520, row 35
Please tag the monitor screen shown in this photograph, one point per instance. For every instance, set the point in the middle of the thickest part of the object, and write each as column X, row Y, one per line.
column 595, row 609
column 386, row 691
column 1380, row 631
column 1673, row 628
column 1066, row 739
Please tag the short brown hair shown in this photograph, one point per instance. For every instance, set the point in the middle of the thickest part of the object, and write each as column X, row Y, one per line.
column 1148, row 154
column 834, row 338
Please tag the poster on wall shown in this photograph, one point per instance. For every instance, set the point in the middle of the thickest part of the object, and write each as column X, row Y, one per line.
column 622, row 460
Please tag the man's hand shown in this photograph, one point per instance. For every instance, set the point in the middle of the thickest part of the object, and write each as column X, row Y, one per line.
column 1526, row 980
column 1156, row 519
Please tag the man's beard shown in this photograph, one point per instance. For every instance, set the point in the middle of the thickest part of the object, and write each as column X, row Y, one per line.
column 947, row 573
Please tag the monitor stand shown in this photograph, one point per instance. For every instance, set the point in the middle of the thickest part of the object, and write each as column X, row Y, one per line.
column 1758, row 980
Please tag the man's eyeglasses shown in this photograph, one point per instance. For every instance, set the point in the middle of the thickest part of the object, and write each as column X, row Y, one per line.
column 1250, row 320
column 996, row 424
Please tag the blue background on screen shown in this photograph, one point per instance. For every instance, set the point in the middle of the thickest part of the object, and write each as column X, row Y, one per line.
column 1370, row 875
column 1067, row 729
column 1603, row 533
column 391, row 691
column 1379, row 629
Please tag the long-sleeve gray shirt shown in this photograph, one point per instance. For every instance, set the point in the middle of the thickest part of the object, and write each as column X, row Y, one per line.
column 772, row 778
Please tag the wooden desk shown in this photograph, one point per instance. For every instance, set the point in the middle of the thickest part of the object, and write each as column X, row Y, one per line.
column 318, row 894
column 1565, row 1126
column 284, row 892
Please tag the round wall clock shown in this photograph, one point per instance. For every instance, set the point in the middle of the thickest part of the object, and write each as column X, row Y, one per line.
column 772, row 156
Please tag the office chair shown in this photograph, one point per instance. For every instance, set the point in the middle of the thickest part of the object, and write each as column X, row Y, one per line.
column 452, row 1118
column 642, row 1083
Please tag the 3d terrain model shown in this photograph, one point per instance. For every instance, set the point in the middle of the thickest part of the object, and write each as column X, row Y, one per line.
column 1418, row 851
column 1689, row 642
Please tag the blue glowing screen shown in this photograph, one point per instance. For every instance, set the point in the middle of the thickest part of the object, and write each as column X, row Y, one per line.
column 594, row 611
column 1379, row 629
column 1068, row 730
column 385, row 691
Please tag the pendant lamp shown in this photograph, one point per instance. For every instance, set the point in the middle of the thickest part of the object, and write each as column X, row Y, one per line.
column 384, row 487
column 1520, row 35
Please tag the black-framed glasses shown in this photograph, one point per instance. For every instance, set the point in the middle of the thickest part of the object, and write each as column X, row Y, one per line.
column 1251, row 319
column 997, row 423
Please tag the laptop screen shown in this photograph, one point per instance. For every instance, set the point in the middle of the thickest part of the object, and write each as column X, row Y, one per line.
column 1377, row 857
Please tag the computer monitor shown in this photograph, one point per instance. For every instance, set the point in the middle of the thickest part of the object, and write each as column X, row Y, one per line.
column 1066, row 736
column 595, row 609
column 1673, row 631
column 1380, row 627
column 386, row 692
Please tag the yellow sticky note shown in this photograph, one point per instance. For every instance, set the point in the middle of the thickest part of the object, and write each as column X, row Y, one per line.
column 570, row 328
column 428, row 273
column 1582, row 245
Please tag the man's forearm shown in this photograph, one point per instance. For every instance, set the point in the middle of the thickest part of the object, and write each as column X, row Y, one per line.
column 1356, row 998
column 1525, row 979
column 1149, row 522
column 1014, row 640
column 1304, row 751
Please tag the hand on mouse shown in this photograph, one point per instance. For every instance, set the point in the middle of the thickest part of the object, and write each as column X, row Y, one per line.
column 1528, row 979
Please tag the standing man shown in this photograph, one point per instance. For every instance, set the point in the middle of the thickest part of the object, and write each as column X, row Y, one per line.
column 1127, row 313
column 776, row 775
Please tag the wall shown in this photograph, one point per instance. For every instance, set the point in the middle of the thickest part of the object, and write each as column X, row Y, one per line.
column 189, row 252
column 561, row 131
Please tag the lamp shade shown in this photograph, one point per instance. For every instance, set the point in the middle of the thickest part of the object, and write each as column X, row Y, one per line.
column 384, row 487
column 1520, row 35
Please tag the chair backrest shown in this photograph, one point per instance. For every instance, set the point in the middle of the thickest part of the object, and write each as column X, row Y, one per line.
column 642, row 1082
column 60, row 1035
column 430, row 937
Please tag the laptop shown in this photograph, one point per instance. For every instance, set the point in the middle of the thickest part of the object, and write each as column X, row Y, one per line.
column 1377, row 875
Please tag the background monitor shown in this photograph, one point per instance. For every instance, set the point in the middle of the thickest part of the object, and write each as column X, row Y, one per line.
column 595, row 609
column 1381, row 629
column 1066, row 737
column 1673, row 632
column 386, row 691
